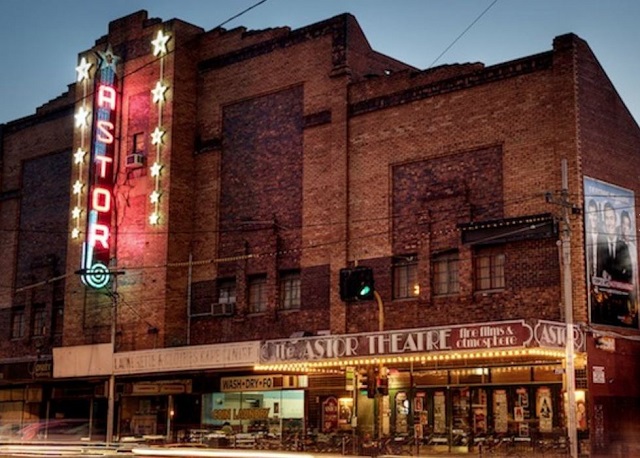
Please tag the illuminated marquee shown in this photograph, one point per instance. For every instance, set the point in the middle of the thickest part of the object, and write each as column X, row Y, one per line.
column 97, row 244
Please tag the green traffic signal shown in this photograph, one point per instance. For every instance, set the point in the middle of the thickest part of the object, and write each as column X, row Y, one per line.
column 356, row 284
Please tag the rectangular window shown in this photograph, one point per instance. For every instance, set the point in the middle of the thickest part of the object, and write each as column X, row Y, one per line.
column 226, row 297
column 445, row 274
column 139, row 143
column 290, row 290
column 227, row 292
column 405, row 277
column 257, row 294
column 489, row 268
column 17, row 323
column 39, row 326
column 57, row 317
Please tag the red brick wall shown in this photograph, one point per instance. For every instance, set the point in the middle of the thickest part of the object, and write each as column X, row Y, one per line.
column 292, row 125
column 34, row 202
column 261, row 173
column 480, row 144
column 609, row 147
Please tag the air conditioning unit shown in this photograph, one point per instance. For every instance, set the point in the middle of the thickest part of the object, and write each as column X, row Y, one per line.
column 135, row 161
column 224, row 309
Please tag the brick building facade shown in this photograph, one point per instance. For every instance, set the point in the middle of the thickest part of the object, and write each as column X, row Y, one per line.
column 249, row 168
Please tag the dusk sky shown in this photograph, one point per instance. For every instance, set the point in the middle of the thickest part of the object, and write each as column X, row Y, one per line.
column 40, row 40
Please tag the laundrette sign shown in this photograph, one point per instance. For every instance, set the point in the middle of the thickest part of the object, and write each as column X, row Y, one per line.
column 477, row 336
column 257, row 383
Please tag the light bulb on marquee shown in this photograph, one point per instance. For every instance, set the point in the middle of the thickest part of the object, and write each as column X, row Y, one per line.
column 75, row 233
column 75, row 213
column 153, row 218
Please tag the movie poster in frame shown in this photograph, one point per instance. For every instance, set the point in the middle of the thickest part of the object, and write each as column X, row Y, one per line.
column 611, row 253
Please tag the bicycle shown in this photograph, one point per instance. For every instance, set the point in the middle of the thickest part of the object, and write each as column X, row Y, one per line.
column 397, row 445
column 555, row 446
column 505, row 446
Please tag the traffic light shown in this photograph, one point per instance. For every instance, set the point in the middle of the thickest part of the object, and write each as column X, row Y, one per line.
column 371, row 383
column 367, row 382
column 382, row 386
column 363, row 380
column 356, row 284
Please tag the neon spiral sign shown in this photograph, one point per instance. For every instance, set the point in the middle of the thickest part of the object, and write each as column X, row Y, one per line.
column 96, row 247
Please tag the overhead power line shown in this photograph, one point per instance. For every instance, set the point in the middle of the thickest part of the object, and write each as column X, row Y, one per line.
column 462, row 34
column 242, row 12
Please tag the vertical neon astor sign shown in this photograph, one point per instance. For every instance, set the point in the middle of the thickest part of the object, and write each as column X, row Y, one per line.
column 97, row 245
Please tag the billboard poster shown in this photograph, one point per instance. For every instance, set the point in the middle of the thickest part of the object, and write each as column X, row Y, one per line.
column 544, row 407
column 611, row 254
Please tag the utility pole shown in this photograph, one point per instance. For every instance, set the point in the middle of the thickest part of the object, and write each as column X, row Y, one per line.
column 379, row 397
column 113, row 295
column 567, row 294
column 112, row 378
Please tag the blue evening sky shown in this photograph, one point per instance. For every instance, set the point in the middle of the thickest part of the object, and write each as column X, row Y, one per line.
column 40, row 39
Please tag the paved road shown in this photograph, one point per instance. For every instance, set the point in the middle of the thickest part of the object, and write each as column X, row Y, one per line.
column 49, row 451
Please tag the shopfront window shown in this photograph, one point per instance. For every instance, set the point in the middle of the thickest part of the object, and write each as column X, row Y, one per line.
column 269, row 412
column 450, row 411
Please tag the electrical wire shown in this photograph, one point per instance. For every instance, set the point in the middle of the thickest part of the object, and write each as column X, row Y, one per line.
column 241, row 13
column 259, row 253
column 462, row 34
column 90, row 94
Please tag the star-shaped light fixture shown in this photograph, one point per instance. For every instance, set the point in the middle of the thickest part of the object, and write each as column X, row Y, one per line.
column 108, row 59
column 156, row 136
column 158, row 92
column 77, row 187
column 76, row 212
column 81, row 117
column 79, row 156
column 154, row 197
column 75, row 233
column 83, row 69
column 153, row 218
column 160, row 43
column 155, row 169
